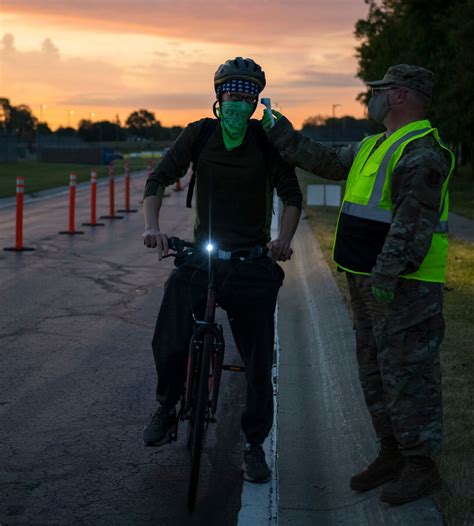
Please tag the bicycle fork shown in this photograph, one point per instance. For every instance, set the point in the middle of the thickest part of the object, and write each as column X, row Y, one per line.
column 217, row 359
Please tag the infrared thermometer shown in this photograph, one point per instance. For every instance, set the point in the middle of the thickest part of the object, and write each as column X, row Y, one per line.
column 268, row 104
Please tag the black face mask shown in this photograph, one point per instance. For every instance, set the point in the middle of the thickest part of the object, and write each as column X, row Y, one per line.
column 379, row 107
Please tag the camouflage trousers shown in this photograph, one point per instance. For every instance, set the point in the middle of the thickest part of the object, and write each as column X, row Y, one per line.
column 399, row 365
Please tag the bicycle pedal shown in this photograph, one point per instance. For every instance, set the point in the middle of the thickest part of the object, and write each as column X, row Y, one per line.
column 234, row 368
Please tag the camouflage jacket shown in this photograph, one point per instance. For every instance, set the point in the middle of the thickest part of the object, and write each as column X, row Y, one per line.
column 416, row 193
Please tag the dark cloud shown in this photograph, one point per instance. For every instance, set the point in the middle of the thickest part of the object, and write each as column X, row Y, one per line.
column 305, row 78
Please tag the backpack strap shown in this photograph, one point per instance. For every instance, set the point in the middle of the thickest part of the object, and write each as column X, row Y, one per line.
column 208, row 126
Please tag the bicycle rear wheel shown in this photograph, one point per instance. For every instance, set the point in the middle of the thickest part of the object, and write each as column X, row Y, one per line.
column 200, row 414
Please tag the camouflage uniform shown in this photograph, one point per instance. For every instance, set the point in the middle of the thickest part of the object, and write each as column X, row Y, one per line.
column 397, row 344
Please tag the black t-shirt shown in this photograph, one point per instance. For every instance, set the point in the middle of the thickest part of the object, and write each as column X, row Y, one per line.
column 234, row 189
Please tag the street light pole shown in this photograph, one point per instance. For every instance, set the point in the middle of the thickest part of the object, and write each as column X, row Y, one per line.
column 334, row 106
column 69, row 113
column 42, row 107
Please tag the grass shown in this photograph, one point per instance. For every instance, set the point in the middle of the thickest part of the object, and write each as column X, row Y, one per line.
column 41, row 176
column 461, row 192
column 456, row 462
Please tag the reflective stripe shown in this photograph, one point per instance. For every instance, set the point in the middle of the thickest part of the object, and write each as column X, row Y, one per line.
column 381, row 215
column 377, row 190
column 367, row 212
column 442, row 228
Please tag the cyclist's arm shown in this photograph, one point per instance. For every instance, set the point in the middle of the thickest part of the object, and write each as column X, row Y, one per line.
column 174, row 165
column 288, row 190
column 303, row 152
column 175, row 162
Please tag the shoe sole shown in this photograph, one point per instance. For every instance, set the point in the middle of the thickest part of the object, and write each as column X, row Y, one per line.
column 254, row 481
column 166, row 440
column 379, row 482
column 425, row 493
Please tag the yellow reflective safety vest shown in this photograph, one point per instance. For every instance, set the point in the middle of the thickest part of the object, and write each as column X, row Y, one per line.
column 367, row 210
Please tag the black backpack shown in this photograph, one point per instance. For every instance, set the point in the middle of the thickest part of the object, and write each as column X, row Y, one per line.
column 207, row 128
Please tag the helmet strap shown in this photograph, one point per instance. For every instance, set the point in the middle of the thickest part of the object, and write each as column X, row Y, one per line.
column 215, row 109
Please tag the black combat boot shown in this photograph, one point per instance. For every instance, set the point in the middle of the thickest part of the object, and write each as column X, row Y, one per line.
column 385, row 467
column 419, row 478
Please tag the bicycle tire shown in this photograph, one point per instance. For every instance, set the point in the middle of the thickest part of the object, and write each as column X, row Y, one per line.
column 199, row 419
column 191, row 389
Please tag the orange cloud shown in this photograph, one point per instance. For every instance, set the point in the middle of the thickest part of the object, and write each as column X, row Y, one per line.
column 112, row 57
column 258, row 22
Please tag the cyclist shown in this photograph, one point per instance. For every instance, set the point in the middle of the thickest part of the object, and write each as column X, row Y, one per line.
column 237, row 170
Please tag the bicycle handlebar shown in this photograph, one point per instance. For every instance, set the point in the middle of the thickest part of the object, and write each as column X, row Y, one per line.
column 178, row 245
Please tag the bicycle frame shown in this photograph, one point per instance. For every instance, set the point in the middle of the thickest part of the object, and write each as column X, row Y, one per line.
column 203, row 377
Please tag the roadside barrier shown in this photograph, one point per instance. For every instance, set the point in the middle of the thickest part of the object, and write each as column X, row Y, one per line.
column 127, row 209
column 72, row 207
column 112, row 214
column 20, row 186
column 93, row 221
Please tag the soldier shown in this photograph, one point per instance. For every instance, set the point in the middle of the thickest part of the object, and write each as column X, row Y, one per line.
column 391, row 240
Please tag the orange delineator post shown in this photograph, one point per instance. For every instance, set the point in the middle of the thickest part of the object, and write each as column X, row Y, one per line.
column 93, row 202
column 72, row 207
column 20, row 186
column 127, row 209
column 111, row 196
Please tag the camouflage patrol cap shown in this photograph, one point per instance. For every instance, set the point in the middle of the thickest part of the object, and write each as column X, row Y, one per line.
column 409, row 76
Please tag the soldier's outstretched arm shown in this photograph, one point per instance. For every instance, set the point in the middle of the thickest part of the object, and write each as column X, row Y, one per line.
column 417, row 184
column 303, row 152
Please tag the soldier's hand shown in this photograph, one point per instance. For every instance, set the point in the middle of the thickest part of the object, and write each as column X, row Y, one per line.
column 383, row 295
column 266, row 121
column 155, row 239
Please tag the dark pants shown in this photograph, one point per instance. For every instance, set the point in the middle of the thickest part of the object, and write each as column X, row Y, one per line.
column 247, row 291
column 399, row 364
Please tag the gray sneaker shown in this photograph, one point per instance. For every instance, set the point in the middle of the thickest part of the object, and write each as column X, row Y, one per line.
column 161, row 428
column 254, row 466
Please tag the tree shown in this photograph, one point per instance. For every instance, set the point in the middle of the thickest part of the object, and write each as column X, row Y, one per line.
column 18, row 119
column 314, row 120
column 42, row 128
column 143, row 123
column 432, row 33
column 100, row 131
column 66, row 132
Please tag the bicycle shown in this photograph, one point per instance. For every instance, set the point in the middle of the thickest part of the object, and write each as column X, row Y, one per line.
column 204, row 370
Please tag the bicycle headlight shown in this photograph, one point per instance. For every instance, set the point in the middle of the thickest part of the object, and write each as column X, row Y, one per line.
column 210, row 247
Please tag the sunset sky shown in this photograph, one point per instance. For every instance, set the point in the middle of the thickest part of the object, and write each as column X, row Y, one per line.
column 110, row 57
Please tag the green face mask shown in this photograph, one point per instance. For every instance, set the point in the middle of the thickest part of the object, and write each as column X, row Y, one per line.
column 234, row 121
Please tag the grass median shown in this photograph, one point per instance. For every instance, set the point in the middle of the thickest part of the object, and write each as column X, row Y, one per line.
column 456, row 500
column 42, row 176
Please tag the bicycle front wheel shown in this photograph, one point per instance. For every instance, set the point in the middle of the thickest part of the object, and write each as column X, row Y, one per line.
column 200, row 414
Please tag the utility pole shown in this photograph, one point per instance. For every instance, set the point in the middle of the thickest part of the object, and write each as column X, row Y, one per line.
column 334, row 106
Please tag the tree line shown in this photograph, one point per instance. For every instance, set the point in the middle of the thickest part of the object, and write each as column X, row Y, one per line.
column 140, row 124
column 437, row 35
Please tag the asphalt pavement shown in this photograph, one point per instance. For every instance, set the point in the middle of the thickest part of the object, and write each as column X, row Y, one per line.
column 77, row 378
column 77, row 386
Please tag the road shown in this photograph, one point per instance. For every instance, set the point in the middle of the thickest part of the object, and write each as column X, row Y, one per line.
column 77, row 385
column 78, row 379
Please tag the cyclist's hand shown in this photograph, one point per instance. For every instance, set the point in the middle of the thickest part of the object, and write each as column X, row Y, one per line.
column 281, row 250
column 155, row 239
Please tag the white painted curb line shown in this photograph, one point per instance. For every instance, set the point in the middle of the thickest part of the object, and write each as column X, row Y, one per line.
column 259, row 502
